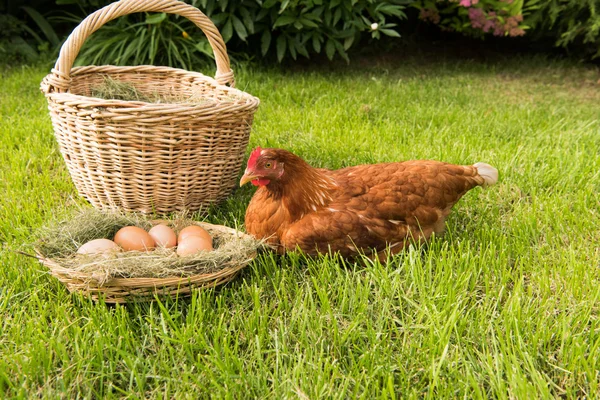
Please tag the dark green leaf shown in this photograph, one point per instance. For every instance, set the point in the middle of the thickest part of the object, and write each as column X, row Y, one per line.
column 247, row 18
column 337, row 15
column 130, row 50
column 176, row 54
column 44, row 26
column 316, row 44
column 281, row 47
column 261, row 14
column 341, row 51
column 209, row 8
column 330, row 49
column 188, row 57
column 389, row 32
column 265, row 41
column 269, row 4
column 284, row 5
column 348, row 42
column 240, row 29
column 153, row 19
column 115, row 53
column 284, row 20
column 204, row 48
column 292, row 47
column 227, row 31
column 313, row 16
column 142, row 41
column 153, row 46
column 219, row 19
column 98, row 51
column 301, row 47
column 223, row 4
column 328, row 15
column 307, row 22
column 37, row 38
column 391, row 9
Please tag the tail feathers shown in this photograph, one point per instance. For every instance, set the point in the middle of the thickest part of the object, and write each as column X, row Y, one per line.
column 487, row 172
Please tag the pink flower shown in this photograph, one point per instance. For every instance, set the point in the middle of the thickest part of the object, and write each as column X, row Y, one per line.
column 488, row 24
column 516, row 32
column 511, row 22
column 477, row 17
column 476, row 13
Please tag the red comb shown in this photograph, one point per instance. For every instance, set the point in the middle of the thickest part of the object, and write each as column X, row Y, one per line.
column 254, row 157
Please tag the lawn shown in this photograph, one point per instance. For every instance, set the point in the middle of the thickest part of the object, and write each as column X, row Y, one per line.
column 505, row 305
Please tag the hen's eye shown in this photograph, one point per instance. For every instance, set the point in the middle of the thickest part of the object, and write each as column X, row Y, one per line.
column 268, row 165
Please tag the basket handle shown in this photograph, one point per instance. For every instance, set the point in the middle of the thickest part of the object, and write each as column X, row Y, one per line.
column 70, row 49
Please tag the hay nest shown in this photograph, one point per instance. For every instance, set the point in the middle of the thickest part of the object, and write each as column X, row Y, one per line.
column 60, row 241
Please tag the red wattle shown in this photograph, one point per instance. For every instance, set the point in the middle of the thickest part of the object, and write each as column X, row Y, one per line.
column 260, row 182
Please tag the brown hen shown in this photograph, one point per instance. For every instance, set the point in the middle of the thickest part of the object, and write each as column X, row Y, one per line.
column 366, row 208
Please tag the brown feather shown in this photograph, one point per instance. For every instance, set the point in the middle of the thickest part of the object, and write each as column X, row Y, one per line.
column 366, row 207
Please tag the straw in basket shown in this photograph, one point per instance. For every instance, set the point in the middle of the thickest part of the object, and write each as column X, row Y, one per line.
column 123, row 290
column 142, row 156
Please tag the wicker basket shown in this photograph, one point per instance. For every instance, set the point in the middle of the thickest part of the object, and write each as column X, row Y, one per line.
column 143, row 156
column 123, row 290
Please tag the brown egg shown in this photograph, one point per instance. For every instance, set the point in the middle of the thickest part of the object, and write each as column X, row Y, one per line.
column 97, row 246
column 192, row 245
column 134, row 238
column 194, row 230
column 163, row 236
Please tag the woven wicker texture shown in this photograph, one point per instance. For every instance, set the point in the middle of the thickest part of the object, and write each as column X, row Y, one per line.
column 149, row 157
column 123, row 290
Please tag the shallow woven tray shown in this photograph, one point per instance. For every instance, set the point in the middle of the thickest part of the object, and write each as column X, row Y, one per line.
column 149, row 157
column 123, row 290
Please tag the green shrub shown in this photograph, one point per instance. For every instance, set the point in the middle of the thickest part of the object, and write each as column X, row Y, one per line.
column 20, row 42
column 272, row 28
column 475, row 17
column 281, row 29
column 569, row 23
column 305, row 27
column 155, row 39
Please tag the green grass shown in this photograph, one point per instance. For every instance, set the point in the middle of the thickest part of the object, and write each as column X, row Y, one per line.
column 505, row 305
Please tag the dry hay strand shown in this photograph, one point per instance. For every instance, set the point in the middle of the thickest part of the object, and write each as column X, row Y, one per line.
column 59, row 242
column 112, row 89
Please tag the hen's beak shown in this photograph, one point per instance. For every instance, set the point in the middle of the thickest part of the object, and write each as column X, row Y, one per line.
column 247, row 178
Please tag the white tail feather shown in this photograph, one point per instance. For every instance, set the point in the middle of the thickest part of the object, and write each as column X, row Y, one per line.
column 487, row 172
